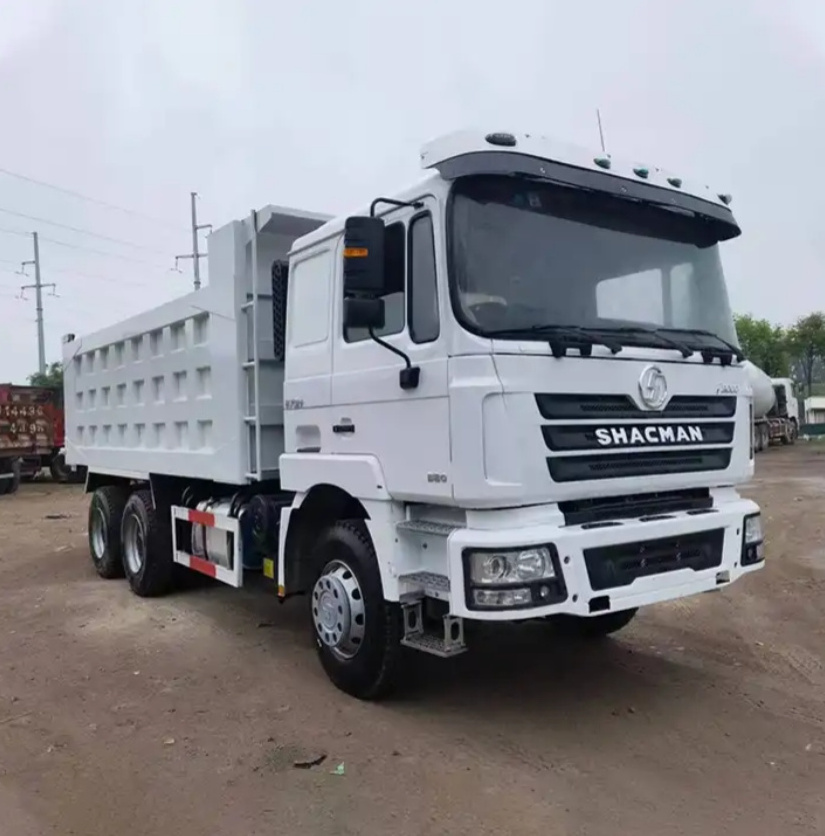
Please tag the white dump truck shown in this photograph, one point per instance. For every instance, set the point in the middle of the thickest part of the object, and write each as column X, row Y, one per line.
column 511, row 391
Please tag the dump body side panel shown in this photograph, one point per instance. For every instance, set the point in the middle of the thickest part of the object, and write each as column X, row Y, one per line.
column 189, row 388
column 160, row 392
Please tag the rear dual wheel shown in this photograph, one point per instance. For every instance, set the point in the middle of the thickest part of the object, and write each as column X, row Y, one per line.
column 147, row 546
column 61, row 472
column 12, row 471
column 127, row 536
column 105, row 517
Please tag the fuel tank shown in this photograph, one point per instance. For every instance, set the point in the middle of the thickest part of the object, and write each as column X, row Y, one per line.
column 764, row 396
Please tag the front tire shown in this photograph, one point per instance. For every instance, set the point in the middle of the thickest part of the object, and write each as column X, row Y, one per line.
column 357, row 633
column 105, row 518
column 146, row 540
column 593, row 627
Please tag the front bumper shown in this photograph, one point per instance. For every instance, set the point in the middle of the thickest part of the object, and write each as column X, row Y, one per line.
column 582, row 589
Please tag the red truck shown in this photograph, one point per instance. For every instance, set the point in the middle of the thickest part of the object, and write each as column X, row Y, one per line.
column 31, row 435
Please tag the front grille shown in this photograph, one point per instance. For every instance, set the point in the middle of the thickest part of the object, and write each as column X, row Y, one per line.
column 622, row 465
column 692, row 434
column 561, row 407
column 619, row 565
column 586, row 436
column 634, row 506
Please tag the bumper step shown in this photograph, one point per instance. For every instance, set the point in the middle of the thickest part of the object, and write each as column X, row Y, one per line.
column 424, row 585
column 450, row 643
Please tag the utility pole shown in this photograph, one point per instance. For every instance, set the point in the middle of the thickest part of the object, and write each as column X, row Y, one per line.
column 38, row 291
column 195, row 255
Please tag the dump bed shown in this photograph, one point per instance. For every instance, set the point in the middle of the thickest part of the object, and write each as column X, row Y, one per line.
column 30, row 420
column 172, row 390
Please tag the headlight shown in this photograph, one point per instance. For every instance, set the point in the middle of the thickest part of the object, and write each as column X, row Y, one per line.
column 753, row 530
column 493, row 568
column 753, row 546
column 513, row 578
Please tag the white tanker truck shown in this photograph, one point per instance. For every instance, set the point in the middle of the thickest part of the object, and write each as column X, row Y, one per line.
column 775, row 409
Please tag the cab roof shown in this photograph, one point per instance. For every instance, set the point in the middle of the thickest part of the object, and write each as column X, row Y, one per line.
column 472, row 151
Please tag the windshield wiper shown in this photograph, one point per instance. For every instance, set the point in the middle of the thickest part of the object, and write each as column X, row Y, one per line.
column 710, row 353
column 684, row 350
column 562, row 337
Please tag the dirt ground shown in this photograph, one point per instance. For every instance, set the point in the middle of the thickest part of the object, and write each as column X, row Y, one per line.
column 186, row 715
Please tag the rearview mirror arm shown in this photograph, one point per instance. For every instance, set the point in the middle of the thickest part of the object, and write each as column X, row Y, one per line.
column 416, row 204
column 409, row 377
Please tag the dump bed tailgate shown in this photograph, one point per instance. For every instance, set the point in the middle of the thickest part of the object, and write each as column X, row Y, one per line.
column 29, row 419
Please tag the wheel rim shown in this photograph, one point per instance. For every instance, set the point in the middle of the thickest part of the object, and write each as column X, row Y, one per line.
column 98, row 534
column 134, row 543
column 338, row 610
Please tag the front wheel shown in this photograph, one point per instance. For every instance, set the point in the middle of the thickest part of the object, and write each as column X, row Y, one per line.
column 357, row 633
column 592, row 627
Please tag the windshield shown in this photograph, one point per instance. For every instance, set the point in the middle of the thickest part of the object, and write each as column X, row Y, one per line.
column 526, row 254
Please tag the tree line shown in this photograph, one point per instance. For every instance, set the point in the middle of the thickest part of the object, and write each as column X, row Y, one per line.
column 796, row 351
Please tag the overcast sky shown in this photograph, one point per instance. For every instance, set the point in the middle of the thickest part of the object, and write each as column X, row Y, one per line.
column 324, row 105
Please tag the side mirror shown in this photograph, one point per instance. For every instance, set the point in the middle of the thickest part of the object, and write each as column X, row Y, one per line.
column 364, row 256
column 364, row 313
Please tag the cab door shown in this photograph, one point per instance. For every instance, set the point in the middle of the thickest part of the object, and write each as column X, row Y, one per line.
column 406, row 429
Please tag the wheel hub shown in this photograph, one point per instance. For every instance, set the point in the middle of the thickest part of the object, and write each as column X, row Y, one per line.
column 134, row 543
column 98, row 534
column 338, row 610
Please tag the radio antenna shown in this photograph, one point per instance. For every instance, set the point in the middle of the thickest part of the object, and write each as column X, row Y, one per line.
column 601, row 130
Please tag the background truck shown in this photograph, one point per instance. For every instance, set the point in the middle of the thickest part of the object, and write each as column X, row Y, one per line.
column 775, row 410
column 511, row 391
column 30, row 420
column 32, row 435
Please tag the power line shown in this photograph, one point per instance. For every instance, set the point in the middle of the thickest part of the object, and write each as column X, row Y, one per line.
column 83, row 248
column 122, row 241
column 70, row 271
column 89, row 199
column 102, row 252
column 83, row 274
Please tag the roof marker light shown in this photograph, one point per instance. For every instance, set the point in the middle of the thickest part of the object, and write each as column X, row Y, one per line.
column 676, row 182
column 602, row 162
column 504, row 139
column 641, row 171
column 726, row 199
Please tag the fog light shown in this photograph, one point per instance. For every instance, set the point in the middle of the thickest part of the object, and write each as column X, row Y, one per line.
column 511, row 566
column 502, row 597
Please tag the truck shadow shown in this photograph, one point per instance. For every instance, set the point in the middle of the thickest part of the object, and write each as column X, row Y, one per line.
column 525, row 665
column 508, row 670
column 511, row 669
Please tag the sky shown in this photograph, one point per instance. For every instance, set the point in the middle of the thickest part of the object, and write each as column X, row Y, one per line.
column 323, row 106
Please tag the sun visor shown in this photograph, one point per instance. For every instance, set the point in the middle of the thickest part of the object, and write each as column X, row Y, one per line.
column 466, row 153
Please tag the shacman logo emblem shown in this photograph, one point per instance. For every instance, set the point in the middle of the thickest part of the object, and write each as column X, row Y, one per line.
column 653, row 387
